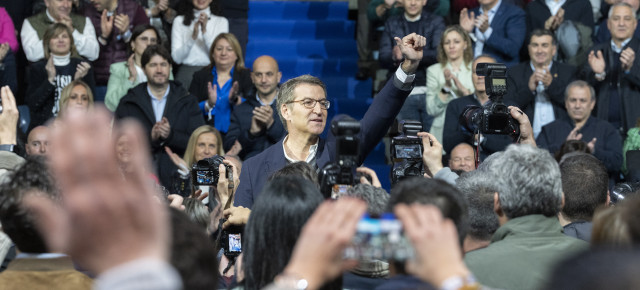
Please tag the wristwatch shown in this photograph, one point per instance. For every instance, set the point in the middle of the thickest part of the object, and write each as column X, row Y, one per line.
column 8, row 147
column 445, row 90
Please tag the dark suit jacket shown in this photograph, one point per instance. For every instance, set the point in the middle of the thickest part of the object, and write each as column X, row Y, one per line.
column 575, row 10
column 184, row 116
column 241, row 124
column 373, row 126
column 608, row 145
column 628, row 85
column 519, row 93
column 454, row 134
column 202, row 78
column 508, row 34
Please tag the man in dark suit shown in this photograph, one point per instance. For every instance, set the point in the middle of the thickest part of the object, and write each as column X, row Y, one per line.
column 303, row 104
column 602, row 139
column 255, row 124
column 497, row 29
column 540, row 94
column 454, row 134
column 613, row 70
column 165, row 109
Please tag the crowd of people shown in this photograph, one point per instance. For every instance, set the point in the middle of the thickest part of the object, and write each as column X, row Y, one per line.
column 126, row 175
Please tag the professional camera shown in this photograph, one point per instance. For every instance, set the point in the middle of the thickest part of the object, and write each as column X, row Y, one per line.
column 406, row 151
column 231, row 239
column 493, row 117
column 205, row 171
column 336, row 177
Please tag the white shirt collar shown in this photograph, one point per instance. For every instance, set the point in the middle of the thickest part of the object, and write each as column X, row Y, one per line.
column 61, row 60
column 263, row 103
column 619, row 49
column 310, row 157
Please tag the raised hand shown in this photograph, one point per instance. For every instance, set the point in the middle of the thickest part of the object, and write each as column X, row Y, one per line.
column 81, row 70
column 592, row 145
column 368, row 171
column 596, row 61
column 164, row 128
column 66, row 20
column 482, row 22
column 526, row 131
column 212, row 91
column 467, row 20
column 626, row 58
column 8, row 117
column 574, row 135
column 106, row 24
column 431, row 152
column 234, row 99
column 177, row 160
column 131, row 66
column 51, row 70
column 411, row 47
column 323, row 239
column 122, row 22
column 203, row 19
column 196, row 30
column 435, row 240
column 98, row 209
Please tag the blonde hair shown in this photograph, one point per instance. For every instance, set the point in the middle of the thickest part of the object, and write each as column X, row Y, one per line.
column 66, row 93
column 233, row 41
column 189, row 154
column 53, row 31
column 467, row 55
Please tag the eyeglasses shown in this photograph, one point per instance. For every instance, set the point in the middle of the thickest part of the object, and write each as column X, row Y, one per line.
column 311, row 103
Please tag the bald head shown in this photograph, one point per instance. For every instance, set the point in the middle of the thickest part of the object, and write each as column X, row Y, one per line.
column 462, row 158
column 266, row 76
column 37, row 141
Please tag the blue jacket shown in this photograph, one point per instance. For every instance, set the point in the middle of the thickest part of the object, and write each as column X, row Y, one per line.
column 509, row 29
column 373, row 126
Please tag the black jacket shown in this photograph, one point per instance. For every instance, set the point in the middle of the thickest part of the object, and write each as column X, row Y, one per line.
column 518, row 87
column 202, row 78
column 628, row 85
column 575, row 10
column 608, row 145
column 183, row 114
column 40, row 95
column 241, row 124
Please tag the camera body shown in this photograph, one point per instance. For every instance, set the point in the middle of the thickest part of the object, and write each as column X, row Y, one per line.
column 336, row 177
column 206, row 171
column 231, row 240
column 493, row 117
column 406, row 151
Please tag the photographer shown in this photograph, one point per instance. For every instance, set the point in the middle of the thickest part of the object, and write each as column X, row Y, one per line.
column 454, row 134
column 303, row 105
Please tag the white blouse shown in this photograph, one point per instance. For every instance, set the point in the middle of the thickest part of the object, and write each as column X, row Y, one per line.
column 186, row 50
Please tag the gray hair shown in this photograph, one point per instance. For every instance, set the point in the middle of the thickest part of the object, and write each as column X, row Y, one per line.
column 579, row 84
column 286, row 96
column 621, row 4
column 376, row 198
column 478, row 189
column 528, row 181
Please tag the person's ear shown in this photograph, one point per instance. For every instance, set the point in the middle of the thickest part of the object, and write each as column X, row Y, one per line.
column 608, row 202
column 496, row 205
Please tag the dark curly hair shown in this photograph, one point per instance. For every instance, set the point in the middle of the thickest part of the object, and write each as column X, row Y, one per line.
column 33, row 177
